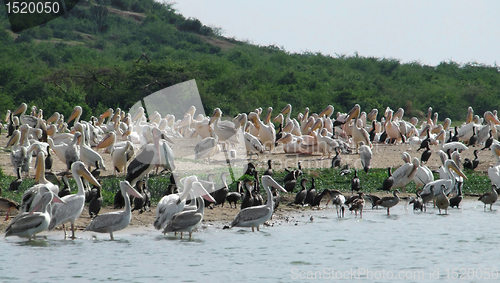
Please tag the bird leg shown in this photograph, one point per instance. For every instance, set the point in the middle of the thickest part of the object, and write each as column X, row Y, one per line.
column 253, row 230
column 111, row 235
column 73, row 231
column 7, row 216
column 258, row 228
column 181, row 235
column 387, row 211
column 64, row 229
column 190, row 234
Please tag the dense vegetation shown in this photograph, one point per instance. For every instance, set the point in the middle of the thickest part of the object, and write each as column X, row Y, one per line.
column 92, row 57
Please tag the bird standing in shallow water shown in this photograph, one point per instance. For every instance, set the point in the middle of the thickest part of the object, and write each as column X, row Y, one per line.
column 489, row 197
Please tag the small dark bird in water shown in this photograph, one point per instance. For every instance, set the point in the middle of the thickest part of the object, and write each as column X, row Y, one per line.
column 48, row 160
column 269, row 170
column 357, row 205
column 95, row 204
column 417, row 204
column 455, row 201
column 373, row 200
column 388, row 182
column 311, row 193
column 301, row 195
column 336, row 159
column 473, row 138
column 355, row 182
column 14, row 186
column 426, row 154
column 488, row 142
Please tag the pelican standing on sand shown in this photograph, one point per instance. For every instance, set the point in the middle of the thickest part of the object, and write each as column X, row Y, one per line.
column 74, row 204
column 256, row 215
column 118, row 220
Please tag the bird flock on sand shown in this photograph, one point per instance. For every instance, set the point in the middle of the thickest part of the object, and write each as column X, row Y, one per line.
column 140, row 145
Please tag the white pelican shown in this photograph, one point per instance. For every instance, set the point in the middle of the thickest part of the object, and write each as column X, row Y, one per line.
column 87, row 155
column 294, row 145
column 267, row 133
column 171, row 204
column 206, row 148
column 254, row 216
column 365, row 154
column 405, row 174
column 72, row 153
column 423, row 176
column 186, row 221
column 450, row 145
column 392, row 127
column 37, row 220
column 117, row 220
column 73, row 206
column 252, row 144
column 225, row 130
column 494, row 171
column 25, row 119
column 359, row 134
column 18, row 152
column 449, row 184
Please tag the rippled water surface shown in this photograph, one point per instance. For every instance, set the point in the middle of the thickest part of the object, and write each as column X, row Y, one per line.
column 405, row 246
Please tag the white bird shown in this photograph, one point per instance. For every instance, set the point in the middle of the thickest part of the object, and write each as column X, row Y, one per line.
column 29, row 224
column 25, row 119
column 174, row 203
column 72, row 153
column 365, row 154
column 186, row 221
column 252, row 144
column 74, row 204
column 118, row 220
column 206, row 148
column 449, row 184
column 254, row 216
column 405, row 174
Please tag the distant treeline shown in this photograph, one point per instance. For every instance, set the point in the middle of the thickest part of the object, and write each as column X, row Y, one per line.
column 93, row 57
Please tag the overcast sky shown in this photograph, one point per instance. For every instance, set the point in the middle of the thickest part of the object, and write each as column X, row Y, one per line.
column 425, row 31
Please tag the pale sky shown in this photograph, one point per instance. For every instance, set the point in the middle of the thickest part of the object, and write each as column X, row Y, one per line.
column 429, row 31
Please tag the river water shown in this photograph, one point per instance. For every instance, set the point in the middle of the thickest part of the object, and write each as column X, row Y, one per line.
column 404, row 247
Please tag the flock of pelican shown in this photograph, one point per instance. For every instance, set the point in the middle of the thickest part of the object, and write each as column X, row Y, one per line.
column 138, row 145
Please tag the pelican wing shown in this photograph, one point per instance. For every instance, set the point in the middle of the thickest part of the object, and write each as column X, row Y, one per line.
column 204, row 147
column 25, row 222
column 402, row 172
column 251, row 214
column 103, row 222
column 183, row 220
column 63, row 212
column 252, row 143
